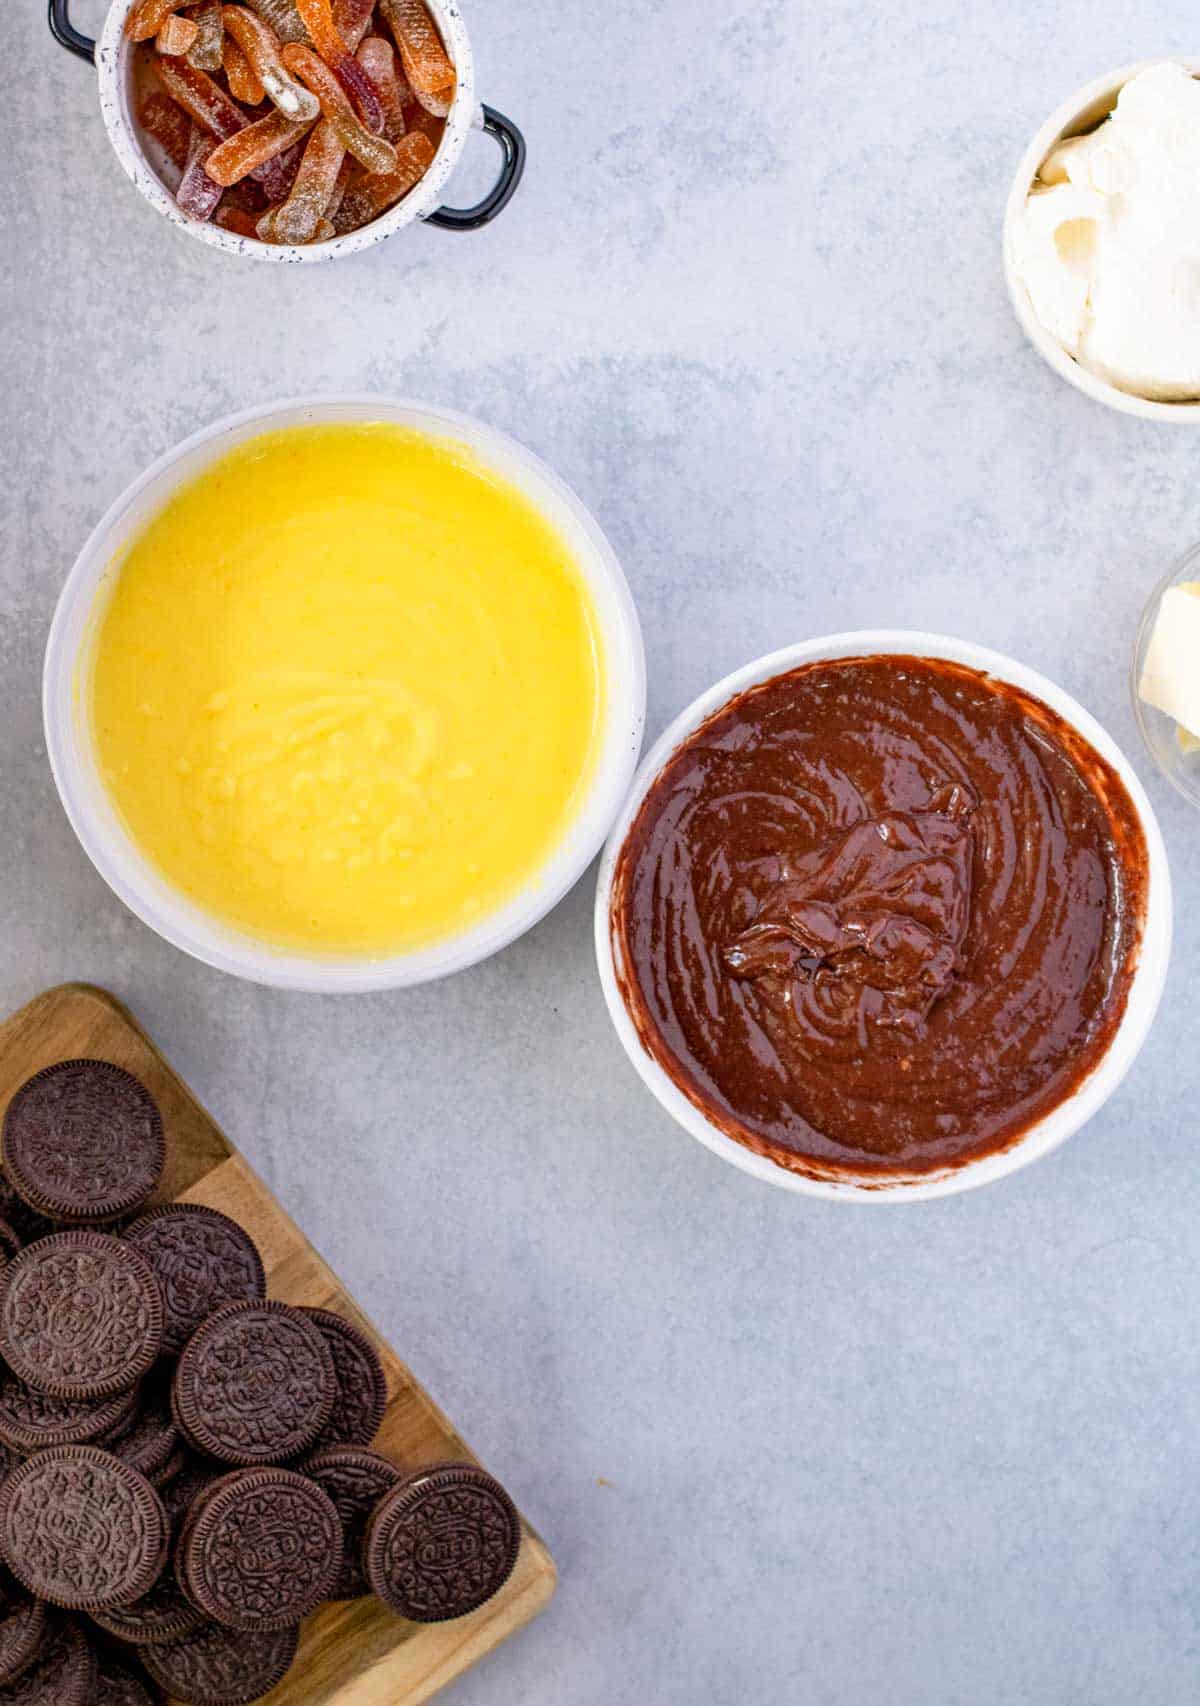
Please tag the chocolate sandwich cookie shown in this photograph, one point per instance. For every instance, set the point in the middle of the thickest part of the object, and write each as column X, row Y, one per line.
column 81, row 1529
column 261, row 1549
column 26, row 1222
column 442, row 1543
column 221, row 1667
column 164, row 1614
column 180, row 1493
column 117, row 1685
column 202, row 1260
column 356, row 1480
column 84, row 1141
column 10, row 1242
column 151, row 1439
column 81, row 1315
column 24, row 1627
column 187, row 1528
column 63, row 1674
column 33, row 1421
column 255, row 1384
column 178, row 1461
column 360, row 1394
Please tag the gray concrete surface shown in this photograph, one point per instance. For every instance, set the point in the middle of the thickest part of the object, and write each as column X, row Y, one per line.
column 750, row 304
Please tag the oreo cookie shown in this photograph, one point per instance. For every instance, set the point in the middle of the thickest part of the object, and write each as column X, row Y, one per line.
column 164, row 1614
column 63, row 1674
column 24, row 1626
column 442, row 1543
column 83, row 1141
column 81, row 1315
column 180, row 1493
column 175, row 1465
column 117, row 1685
column 33, row 1421
column 10, row 1242
column 221, row 1667
column 202, row 1260
column 81, row 1529
column 255, row 1384
column 355, row 1480
column 150, row 1438
column 260, row 1550
column 25, row 1222
column 360, row 1394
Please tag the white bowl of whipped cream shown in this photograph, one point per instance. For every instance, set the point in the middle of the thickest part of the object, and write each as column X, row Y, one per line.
column 1102, row 240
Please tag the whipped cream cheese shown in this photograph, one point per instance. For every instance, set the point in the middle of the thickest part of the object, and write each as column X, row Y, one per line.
column 1108, row 247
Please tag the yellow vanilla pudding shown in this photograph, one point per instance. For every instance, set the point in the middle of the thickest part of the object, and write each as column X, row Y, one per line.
column 347, row 689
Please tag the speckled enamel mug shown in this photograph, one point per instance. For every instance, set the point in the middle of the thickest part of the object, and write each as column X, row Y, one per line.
column 113, row 57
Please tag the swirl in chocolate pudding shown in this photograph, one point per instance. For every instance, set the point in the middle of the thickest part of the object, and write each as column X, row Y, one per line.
column 880, row 915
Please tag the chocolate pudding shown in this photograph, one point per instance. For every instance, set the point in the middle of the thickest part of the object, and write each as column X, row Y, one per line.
column 880, row 915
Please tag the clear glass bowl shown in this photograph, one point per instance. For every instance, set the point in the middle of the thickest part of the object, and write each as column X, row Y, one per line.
column 1158, row 730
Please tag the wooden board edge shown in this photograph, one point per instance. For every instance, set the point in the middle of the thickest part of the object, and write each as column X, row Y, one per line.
column 512, row 1616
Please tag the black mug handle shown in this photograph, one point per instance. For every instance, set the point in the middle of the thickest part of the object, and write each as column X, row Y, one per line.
column 512, row 146
column 66, row 35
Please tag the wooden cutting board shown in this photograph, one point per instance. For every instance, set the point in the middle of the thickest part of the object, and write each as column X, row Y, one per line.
column 357, row 1653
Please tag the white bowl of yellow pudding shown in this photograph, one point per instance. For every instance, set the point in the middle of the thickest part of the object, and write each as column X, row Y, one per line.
column 344, row 694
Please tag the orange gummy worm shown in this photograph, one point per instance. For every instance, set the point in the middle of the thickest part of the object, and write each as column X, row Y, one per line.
column 373, row 195
column 244, row 82
column 148, row 17
column 252, row 147
column 296, row 219
column 353, row 20
column 177, row 36
column 262, row 48
column 317, row 16
column 426, row 62
column 201, row 98
column 379, row 62
column 375, row 152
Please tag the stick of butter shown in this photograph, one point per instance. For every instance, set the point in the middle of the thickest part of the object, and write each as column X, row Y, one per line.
column 1171, row 674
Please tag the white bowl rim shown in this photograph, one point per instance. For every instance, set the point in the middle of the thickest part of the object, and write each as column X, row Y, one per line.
column 189, row 928
column 1061, row 1122
column 465, row 114
column 1063, row 122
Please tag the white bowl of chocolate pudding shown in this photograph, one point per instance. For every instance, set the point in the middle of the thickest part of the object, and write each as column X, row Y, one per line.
column 886, row 917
